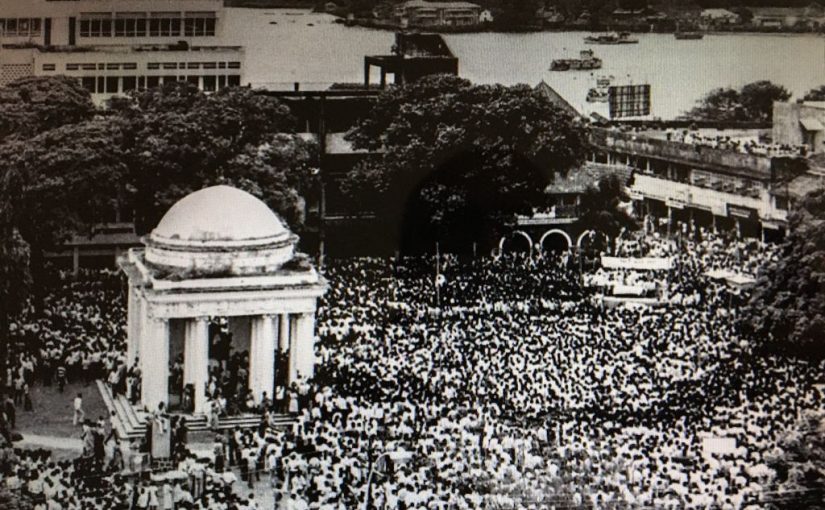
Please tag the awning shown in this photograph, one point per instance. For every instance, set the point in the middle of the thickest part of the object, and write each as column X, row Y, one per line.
column 812, row 124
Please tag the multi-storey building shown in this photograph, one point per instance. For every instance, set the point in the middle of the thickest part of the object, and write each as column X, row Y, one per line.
column 800, row 123
column 715, row 186
column 113, row 46
column 418, row 13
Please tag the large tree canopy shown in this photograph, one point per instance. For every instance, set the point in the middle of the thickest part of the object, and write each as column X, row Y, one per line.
column 787, row 307
column 32, row 105
column 751, row 103
column 603, row 209
column 460, row 161
column 181, row 140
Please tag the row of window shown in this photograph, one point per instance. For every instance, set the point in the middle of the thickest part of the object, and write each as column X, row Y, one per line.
column 193, row 65
column 152, row 66
column 118, row 84
column 20, row 27
column 157, row 24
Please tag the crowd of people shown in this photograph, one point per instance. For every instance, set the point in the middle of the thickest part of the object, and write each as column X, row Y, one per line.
column 499, row 384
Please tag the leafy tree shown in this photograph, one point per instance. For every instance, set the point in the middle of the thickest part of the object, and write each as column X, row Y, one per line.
column 602, row 210
column 181, row 140
column 787, row 307
column 460, row 161
column 816, row 94
column 753, row 102
column 799, row 468
column 32, row 105
column 758, row 98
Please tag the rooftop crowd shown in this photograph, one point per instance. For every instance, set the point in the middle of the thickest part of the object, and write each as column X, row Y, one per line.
column 507, row 385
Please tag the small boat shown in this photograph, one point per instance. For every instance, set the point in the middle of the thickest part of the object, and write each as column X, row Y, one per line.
column 611, row 38
column 310, row 24
column 600, row 93
column 586, row 62
column 273, row 22
column 688, row 35
column 597, row 95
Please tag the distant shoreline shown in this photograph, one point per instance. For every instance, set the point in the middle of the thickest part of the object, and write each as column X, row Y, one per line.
column 377, row 25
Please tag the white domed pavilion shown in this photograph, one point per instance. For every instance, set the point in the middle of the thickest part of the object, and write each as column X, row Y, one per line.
column 219, row 252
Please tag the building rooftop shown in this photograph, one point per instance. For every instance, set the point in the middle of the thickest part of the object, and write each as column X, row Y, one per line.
column 440, row 5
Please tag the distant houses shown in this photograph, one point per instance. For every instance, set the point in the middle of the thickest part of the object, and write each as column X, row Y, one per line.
column 789, row 17
column 419, row 13
column 717, row 17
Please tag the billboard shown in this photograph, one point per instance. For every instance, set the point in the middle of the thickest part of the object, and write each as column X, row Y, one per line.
column 628, row 101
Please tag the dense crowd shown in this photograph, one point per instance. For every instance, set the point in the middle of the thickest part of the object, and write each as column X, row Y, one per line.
column 500, row 384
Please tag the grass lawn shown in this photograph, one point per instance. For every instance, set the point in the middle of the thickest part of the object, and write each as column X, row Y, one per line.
column 52, row 414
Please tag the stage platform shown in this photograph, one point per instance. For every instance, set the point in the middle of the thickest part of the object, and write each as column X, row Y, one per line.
column 131, row 421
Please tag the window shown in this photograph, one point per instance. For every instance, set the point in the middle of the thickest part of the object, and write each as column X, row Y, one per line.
column 164, row 24
column 209, row 65
column 49, row 67
column 152, row 81
column 194, row 80
column 153, row 65
column 221, row 81
column 34, row 26
column 221, row 65
column 72, row 67
column 782, row 203
column 193, row 65
column 2, row 27
column 209, row 83
column 141, row 82
column 199, row 24
column 130, row 66
column 170, row 79
column 88, row 67
column 95, row 24
column 100, row 84
column 234, row 65
column 112, row 84
column 88, row 83
column 11, row 27
column 129, row 83
column 112, row 67
column 233, row 80
column 168, row 65
column 130, row 24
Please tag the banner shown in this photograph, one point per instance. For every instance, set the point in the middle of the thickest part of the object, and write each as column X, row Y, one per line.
column 637, row 263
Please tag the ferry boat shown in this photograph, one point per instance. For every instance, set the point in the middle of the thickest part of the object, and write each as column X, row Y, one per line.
column 586, row 62
column 611, row 38
column 688, row 35
column 599, row 93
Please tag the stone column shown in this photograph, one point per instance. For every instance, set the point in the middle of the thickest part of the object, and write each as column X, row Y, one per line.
column 305, row 335
column 262, row 357
column 132, row 326
column 196, row 359
column 294, row 346
column 155, row 363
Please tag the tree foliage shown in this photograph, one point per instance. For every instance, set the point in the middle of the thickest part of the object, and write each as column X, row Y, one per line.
column 752, row 103
column 787, row 307
column 815, row 94
column 180, row 140
column 602, row 207
column 460, row 161
column 36, row 104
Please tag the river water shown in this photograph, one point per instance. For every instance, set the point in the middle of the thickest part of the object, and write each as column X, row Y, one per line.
column 680, row 72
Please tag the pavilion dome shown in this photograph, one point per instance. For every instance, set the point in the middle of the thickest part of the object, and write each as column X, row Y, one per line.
column 220, row 230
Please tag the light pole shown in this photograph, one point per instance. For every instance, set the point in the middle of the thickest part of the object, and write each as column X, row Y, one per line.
column 395, row 456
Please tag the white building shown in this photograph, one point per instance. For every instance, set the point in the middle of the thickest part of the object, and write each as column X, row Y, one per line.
column 113, row 46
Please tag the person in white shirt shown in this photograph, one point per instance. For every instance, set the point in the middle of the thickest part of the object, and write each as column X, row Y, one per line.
column 79, row 415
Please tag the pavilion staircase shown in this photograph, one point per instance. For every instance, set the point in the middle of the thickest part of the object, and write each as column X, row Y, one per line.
column 131, row 422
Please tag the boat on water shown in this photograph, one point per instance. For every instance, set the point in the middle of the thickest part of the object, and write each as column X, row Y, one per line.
column 600, row 93
column 586, row 62
column 688, row 35
column 611, row 38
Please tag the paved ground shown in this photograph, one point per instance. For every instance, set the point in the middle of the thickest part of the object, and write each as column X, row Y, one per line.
column 52, row 410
